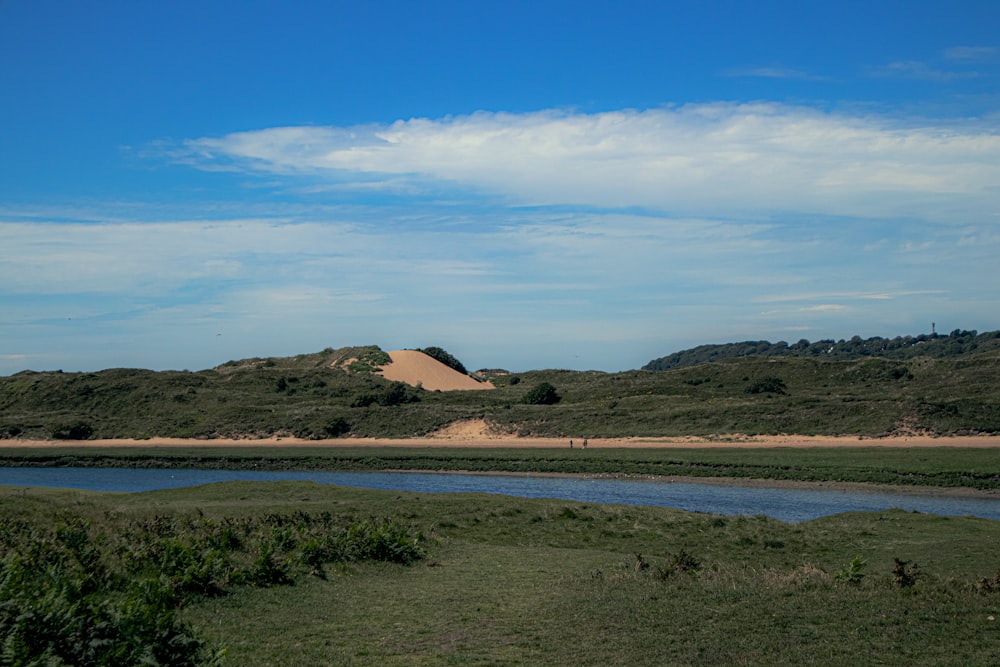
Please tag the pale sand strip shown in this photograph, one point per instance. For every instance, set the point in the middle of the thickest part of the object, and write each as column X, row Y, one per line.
column 489, row 441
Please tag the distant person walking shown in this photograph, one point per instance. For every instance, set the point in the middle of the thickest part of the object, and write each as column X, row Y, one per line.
column 571, row 444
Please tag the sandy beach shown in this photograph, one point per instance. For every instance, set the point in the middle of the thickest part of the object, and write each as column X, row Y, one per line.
column 457, row 439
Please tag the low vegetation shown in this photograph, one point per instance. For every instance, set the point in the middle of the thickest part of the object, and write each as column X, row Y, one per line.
column 336, row 392
column 258, row 574
column 105, row 589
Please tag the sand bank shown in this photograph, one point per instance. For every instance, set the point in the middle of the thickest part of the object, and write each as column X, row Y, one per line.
column 497, row 441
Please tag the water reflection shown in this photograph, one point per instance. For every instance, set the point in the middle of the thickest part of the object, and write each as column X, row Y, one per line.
column 784, row 504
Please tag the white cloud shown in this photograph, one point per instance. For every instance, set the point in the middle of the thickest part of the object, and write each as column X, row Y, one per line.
column 972, row 53
column 824, row 308
column 772, row 73
column 707, row 160
column 915, row 69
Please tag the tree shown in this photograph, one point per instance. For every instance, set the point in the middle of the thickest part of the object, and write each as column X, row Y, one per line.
column 542, row 394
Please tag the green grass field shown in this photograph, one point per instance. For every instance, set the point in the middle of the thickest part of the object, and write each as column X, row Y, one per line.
column 527, row 582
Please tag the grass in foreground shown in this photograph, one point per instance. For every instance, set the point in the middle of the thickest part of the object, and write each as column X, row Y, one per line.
column 522, row 581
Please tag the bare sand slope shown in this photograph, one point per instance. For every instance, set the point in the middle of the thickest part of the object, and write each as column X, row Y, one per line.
column 413, row 368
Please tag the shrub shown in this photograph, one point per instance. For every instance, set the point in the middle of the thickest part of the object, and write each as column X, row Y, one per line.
column 853, row 572
column 904, row 575
column 542, row 394
column 78, row 431
column 267, row 569
column 337, row 428
column 680, row 562
column 379, row 540
column 397, row 394
column 989, row 585
column 364, row 400
column 370, row 359
column 444, row 358
column 768, row 385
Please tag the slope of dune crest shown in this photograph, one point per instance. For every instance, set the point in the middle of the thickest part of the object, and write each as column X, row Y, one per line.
column 413, row 368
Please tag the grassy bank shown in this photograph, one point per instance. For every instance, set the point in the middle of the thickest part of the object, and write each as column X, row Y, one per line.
column 977, row 468
column 521, row 581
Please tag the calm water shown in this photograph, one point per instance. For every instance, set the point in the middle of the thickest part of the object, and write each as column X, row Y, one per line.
column 784, row 504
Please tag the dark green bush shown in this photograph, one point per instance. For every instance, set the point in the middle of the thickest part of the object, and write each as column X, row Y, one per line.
column 379, row 540
column 445, row 358
column 267, row 569
column 337, row 428
column 767, row 385
column 904, row 574
column 77, row 431
column 397, row 394
column 364, row 400
column 542, row 394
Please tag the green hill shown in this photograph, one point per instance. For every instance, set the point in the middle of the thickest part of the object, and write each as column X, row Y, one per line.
column 335, row 393
column 957, row 343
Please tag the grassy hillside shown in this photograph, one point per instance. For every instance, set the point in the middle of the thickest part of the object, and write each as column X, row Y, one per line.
column 334, row 393
column 937, row 346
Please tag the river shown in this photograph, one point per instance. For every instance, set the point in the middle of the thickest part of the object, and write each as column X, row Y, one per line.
column 792, row 505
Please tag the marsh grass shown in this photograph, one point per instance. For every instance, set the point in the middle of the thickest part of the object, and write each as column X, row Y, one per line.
column 525, row 582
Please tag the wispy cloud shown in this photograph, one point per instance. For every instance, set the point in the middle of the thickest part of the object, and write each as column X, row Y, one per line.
column 915, row 69
column 712, row 159
column 865, row 296
column 824, row 308
column 772, row 73
column 973, row 53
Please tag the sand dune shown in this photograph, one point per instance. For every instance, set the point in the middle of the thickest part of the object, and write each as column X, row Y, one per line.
column 413, row 368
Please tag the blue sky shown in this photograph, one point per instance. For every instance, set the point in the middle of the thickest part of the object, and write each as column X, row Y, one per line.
column 583, row 185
